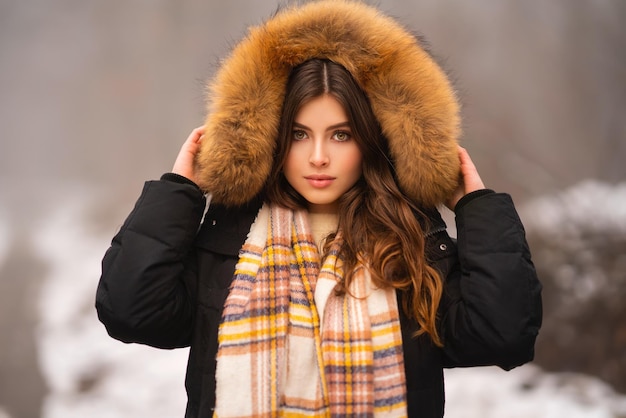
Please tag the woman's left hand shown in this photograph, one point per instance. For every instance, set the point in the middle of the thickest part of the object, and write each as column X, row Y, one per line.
column 470, row 179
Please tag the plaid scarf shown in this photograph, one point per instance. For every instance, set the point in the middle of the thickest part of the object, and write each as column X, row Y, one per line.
column 275, row 358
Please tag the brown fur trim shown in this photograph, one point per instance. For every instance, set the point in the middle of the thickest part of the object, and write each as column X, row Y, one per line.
column 410, row 96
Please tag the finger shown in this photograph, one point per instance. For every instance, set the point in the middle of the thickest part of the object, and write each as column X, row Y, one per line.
column 196, row 135
column 467, row 164
column 465, row 157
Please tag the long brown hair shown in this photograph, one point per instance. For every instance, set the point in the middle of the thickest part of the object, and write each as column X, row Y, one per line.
column 376, row 219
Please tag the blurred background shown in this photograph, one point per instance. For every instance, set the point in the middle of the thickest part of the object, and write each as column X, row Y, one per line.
column 96, row 97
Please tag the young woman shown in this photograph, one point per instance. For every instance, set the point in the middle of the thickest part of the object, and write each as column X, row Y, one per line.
column 321, row 280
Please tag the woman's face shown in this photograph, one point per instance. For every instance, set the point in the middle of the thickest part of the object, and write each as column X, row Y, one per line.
column 324, row 160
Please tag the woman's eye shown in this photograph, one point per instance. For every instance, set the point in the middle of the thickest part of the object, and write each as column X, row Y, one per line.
column 341, row 136
column 299, row 135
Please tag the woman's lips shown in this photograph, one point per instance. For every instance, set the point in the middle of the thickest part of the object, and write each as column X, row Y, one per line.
column 319, row 181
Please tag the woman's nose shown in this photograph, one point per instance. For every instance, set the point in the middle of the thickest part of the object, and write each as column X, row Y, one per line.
column 319, row 154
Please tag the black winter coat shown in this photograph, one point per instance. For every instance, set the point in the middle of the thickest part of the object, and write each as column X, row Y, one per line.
column 166, row 276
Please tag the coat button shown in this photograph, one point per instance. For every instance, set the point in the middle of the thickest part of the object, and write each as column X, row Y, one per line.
column 214, row 222
column 443, row 247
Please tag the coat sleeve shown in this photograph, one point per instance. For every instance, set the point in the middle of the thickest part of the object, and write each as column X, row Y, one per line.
column 146, row 290
column 491, row 308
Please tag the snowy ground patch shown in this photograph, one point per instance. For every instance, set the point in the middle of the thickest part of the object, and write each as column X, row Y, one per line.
column 588, row 206
column 89, row 373
column 488, row 392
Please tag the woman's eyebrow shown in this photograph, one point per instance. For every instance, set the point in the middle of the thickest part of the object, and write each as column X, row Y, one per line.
column 330, row 128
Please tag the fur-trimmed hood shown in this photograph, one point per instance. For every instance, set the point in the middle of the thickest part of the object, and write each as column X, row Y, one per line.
column 409, row 93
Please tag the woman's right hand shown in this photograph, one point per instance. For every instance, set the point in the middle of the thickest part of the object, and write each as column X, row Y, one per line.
column 184, row 164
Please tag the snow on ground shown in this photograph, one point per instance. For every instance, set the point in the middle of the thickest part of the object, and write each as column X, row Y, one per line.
column 588, row 206
column 489, row 392
column 580, row 231
column 90, row 374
